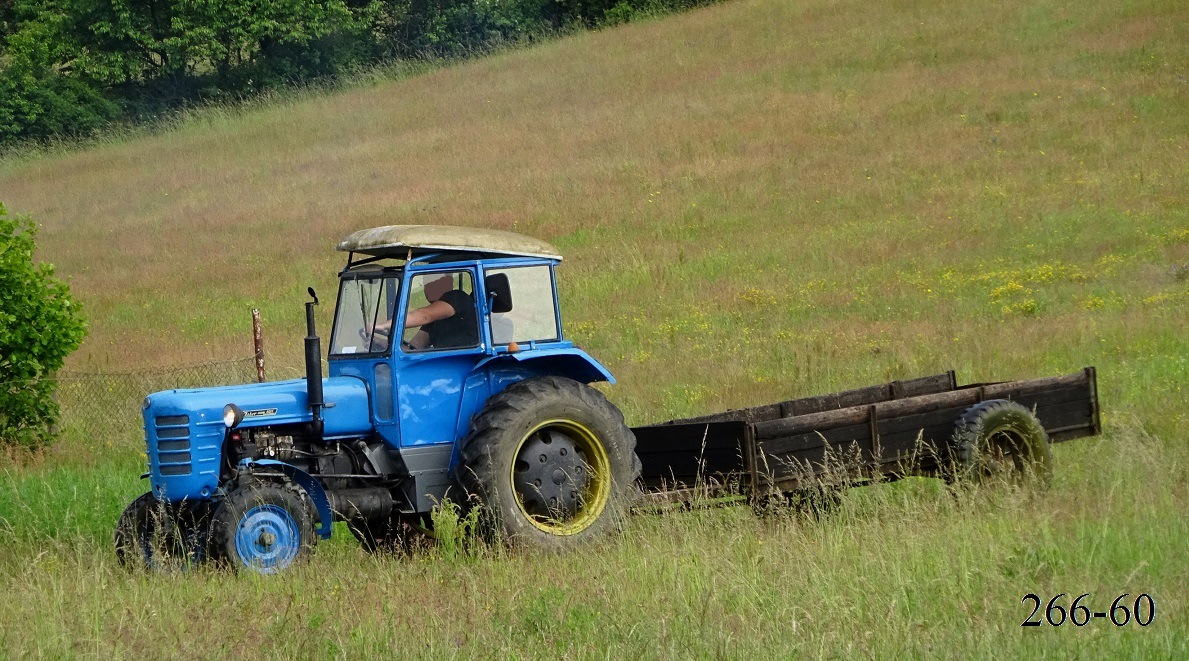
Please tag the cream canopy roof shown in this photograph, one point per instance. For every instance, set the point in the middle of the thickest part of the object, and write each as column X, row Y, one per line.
column 397, row 240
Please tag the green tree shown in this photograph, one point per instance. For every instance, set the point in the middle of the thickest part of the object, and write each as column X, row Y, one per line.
column 41, row 94
column 67, row 67
column 141, row 42
column 40, row 324
column 460, row 27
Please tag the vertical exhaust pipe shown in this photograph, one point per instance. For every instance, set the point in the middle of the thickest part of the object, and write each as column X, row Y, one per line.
column 314, row 367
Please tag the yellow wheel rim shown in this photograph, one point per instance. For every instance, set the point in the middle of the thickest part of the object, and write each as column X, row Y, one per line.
column 561, row 477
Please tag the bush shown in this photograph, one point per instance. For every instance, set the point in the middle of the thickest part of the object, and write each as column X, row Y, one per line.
column 459, row 28
column 40, row 324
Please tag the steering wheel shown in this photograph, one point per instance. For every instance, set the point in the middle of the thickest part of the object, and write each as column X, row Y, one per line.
column 379, row 337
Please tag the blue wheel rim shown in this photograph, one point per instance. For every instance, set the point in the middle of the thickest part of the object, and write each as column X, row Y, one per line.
column 267, row 539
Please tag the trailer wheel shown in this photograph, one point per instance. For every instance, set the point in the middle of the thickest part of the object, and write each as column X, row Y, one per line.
column 154, row 535
column 263, row 527
column 1001, row 439
column 552, row 462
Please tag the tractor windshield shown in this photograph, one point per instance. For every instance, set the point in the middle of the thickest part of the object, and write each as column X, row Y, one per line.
column 363, row 319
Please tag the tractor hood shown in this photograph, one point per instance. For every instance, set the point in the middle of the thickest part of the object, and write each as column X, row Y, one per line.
column 184, row 429
column 277, row 403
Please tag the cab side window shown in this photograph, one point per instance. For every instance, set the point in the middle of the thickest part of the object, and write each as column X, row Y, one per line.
column 364, row 314
column 447, row 301
column 533, row 316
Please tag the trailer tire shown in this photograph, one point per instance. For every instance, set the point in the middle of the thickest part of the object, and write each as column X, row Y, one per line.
column 552, row 464
column 1001, row 439
column 262, row 526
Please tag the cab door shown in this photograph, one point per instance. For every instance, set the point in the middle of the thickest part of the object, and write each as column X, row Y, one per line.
column 359, row 347
column 434, row 361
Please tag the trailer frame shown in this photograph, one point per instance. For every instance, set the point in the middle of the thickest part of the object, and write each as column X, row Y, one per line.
column 883, row 432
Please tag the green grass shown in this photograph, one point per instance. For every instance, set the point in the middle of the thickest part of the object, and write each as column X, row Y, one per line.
column 903, row 569
column 757, row 200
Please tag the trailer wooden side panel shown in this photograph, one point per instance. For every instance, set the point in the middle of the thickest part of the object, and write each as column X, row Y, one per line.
column 682, row 455
column 859, row 397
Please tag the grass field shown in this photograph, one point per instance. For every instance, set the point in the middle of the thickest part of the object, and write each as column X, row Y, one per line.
column 757, row 200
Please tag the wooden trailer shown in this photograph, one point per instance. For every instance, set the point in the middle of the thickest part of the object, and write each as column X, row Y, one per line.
column 887, row 432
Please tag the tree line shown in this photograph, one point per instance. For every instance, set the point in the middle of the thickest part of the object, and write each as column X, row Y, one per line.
column 68, row 68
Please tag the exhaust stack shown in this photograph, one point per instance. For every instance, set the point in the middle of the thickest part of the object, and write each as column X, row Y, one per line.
column 313, row 348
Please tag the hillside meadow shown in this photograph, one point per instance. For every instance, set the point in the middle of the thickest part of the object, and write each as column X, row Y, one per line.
column 757, row 200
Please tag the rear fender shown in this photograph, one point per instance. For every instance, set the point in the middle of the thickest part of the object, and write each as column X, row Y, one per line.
column 569, row 362
column 506, row 368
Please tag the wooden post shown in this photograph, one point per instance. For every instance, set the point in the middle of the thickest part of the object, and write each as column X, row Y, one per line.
column 258, row 344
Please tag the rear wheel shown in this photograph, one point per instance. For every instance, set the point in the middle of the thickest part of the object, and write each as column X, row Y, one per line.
column 552, row 462
column 1001, row 440
column 263, row 527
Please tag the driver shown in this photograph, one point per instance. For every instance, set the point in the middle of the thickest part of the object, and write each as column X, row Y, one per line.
column 448, row 321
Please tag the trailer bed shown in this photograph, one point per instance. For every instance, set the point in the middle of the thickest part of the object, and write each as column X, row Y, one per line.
column 887, row 431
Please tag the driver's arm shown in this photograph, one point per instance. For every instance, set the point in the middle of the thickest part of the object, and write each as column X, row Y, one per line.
column 434, row 311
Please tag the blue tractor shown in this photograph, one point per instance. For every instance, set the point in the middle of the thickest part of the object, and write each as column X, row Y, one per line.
column 450, row 378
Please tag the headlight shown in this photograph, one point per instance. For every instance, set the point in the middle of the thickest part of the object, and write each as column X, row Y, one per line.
column 232, row 416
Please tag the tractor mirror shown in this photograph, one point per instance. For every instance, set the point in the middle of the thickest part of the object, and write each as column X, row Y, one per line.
column 499, row 292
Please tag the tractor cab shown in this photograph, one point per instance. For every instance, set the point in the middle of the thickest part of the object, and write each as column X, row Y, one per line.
column 498, row 294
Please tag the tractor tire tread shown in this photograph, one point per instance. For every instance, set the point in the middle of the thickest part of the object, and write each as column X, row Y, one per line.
column 499, row 421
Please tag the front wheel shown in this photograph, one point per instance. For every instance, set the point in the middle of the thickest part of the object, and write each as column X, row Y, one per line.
column 552, row 462
column 262, row 527
column 158, row 536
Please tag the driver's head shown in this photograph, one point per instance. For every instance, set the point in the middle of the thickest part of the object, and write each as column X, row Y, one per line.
column 435, row 289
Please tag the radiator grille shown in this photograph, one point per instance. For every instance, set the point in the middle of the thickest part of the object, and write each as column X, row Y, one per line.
column 173, row 444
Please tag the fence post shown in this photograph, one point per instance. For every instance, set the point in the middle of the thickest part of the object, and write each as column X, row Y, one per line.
column 258, row 344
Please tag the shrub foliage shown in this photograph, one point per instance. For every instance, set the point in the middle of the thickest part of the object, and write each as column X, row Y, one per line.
column 40, row 324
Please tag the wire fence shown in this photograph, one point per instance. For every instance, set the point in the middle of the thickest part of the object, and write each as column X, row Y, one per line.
column 105, row 406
